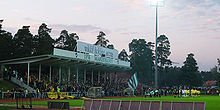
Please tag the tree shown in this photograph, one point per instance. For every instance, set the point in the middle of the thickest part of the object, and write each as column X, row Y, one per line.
column 142, row 58
column 123, row 55
column 60, row 42
column 101, row 41
column 190, row 75
column 216, row 72
column 170, row 76
column 5, row 44
column 208, row 75
column 43, row 42
column 67, row 41
column 163, row 49
column 23, row 42
column 110, row 46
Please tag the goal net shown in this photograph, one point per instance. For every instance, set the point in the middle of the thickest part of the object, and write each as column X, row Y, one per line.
column 95, row 92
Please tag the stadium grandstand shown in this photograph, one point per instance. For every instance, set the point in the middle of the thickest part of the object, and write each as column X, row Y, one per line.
column 69, row 71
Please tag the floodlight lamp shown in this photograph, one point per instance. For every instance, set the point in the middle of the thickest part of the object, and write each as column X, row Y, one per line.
column 157, row 2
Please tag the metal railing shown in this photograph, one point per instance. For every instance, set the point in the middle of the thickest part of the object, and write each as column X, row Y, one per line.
column 22, row 84
column 13, row 95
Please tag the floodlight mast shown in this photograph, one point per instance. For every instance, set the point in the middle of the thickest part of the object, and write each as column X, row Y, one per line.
column 156, row 3
column 156, row 72
column 218, row 66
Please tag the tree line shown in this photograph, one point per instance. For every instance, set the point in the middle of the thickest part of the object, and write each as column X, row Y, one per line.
column 142, row 57
column 25, row 44
column 142, row 60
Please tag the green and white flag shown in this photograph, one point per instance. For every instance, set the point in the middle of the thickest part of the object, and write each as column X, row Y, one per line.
column 133, row 82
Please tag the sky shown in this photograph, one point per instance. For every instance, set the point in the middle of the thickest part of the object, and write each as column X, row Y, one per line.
column 192, row 26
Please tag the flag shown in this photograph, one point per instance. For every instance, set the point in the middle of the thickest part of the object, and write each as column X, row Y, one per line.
column 133, row 82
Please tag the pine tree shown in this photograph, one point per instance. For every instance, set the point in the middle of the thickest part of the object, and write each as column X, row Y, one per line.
column 43, row 42
column 190, row 75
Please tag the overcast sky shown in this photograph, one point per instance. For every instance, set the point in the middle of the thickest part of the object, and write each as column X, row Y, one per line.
column 192, row 26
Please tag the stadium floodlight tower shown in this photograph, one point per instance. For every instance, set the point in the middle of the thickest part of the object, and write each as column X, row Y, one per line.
column 156, row 3
column 218, row 66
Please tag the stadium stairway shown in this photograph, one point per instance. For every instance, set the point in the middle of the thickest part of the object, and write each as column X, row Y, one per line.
column 22, row 84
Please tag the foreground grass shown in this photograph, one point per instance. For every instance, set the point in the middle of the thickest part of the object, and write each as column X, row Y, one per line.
column 75, row 103
column 6, row 107
column 212, row 102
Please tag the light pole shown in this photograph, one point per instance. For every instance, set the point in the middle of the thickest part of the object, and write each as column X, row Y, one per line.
column 156, row 3
column 156, row 72
column 218, row 66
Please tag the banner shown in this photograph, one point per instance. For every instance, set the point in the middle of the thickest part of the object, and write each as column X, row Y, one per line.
column 97, row 50
column 59, row 95
column 52, row 95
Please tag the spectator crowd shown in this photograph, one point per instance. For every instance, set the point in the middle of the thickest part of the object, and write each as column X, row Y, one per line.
column 110, row 87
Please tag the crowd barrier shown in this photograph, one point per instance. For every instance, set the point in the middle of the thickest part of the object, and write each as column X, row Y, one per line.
column 51, row 95
column 142, row 105
column 12, row 95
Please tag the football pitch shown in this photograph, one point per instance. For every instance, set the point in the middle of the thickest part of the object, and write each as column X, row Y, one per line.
column 212, row 102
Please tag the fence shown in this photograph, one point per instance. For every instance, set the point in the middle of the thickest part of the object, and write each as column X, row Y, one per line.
column 142, row 105
column 12, row 95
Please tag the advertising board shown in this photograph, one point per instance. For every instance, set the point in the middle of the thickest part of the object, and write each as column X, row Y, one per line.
column 96, row 50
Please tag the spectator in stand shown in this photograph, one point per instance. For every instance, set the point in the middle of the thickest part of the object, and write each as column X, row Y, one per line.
column 5, row 73
column 21, row 79
column 10, row 73
column 38, row 93
column 26, row 93
column 1, row 90
column 12, row 93
column 8, row 94
column 16, row 74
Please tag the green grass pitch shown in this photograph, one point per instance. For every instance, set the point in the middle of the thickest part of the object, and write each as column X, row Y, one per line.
column 212, row 102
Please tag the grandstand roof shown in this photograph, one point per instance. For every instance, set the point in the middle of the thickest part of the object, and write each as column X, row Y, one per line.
column 69, row 58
